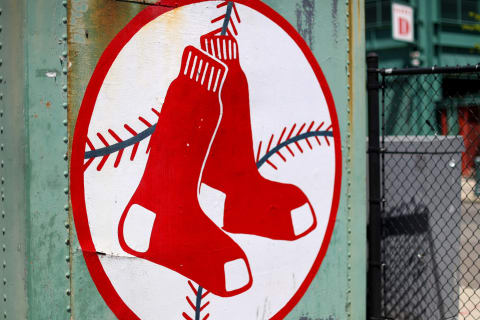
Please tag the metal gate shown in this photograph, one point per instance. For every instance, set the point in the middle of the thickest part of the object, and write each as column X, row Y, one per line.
column 424, row 184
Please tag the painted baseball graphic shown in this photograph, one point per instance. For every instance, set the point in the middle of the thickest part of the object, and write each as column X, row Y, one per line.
column 206, row 165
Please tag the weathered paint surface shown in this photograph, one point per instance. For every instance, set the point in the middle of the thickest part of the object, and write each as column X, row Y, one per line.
column 334, row 31
column 46, row 165
column 33, row 164
column 34, row 265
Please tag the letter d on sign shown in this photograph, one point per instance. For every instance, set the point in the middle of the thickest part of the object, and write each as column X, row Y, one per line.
column 402, row 26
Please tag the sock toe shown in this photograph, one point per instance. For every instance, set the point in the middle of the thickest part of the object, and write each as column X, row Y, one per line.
column 302, row 219
column 137, row 228
column 237, row 275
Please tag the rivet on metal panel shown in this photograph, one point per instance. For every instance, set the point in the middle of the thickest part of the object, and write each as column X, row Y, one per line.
column 349, row 162
column 2, row 147
column 67, row 259
column 64, row 45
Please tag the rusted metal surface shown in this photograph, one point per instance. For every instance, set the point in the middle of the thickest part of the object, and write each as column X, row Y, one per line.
column 146, row 2
column 89, row 35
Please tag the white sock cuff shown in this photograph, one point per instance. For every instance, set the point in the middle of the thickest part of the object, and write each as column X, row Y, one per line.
column 224, row 48
column 202, row 69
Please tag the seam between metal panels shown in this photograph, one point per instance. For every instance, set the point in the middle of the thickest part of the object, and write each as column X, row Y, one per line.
column 65, row 155
column 2, row 189
column 350, row 57
column 64, row 62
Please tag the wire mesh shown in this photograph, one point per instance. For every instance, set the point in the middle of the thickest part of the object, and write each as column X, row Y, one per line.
column 430, row 167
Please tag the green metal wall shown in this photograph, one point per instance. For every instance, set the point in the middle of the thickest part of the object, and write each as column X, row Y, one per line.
column 45, row 271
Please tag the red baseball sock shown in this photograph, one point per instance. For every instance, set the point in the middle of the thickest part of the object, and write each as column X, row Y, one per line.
column 163, row 221
column 253, row 204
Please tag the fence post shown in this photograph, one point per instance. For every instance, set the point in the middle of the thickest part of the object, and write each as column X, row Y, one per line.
column 374, row 303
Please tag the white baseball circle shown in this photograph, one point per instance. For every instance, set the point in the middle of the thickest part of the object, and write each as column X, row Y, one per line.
column 283, row 91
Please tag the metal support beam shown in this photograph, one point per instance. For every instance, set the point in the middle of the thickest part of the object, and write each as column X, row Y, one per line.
column 374, row 232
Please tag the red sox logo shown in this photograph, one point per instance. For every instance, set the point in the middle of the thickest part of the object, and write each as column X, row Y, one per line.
column 226, row 204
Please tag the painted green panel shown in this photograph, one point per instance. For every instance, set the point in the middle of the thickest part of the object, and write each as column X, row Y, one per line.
column 12, row 162
column 46, row 170
column 88, row 38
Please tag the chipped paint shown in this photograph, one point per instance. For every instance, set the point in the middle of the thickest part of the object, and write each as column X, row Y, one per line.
column 141, row 1
column 334, row 18
column 305, row 19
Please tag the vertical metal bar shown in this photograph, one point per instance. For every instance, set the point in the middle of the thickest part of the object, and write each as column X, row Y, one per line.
column 374, row 228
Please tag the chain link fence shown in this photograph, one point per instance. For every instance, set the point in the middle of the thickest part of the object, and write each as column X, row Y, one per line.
column 427, row 263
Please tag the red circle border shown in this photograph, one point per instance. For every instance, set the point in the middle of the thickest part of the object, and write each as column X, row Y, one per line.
column 100, row 278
